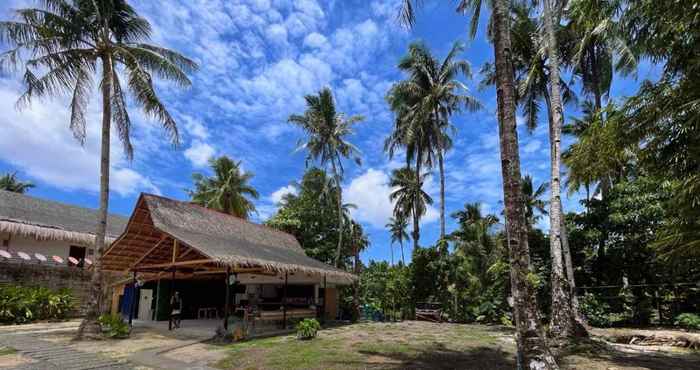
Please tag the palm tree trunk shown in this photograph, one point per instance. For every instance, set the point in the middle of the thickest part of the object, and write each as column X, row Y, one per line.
column 442, row 193
column 561, row 319
column 403, row 261
column 533, row 352
column 441, row 163
column 89, row 325
column 595, row 76
column 336, row 176
column 416, row 220
column 356, row 286
column 581, row 328
column 392, row 253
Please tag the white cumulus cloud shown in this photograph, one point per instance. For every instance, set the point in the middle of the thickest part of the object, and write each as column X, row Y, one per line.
column 370, row 193
column 199, row 153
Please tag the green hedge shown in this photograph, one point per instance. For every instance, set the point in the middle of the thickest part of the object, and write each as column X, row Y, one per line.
column 19, row 305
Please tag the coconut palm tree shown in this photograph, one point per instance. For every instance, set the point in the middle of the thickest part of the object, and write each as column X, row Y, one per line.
column 227, row 191
column 600, row 47
column 532, row 348
column 409, row 197
column 561, row 320
column 535, row 206
column 359, row 242
column 438, row 94
column 9, row 182
column 397, row 228
column 67, row 43
column 326, row 142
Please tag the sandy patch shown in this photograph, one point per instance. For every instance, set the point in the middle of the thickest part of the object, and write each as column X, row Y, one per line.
column 199, row 353
column 14, row 359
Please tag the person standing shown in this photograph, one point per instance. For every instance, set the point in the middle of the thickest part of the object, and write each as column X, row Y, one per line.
column 176, row 310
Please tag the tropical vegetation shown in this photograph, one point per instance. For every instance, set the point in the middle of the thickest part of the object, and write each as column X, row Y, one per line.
column 22, row 304
column 626, row 255
column 326, row 142
column 10, row 182
column 228, row 191
column 64, row 46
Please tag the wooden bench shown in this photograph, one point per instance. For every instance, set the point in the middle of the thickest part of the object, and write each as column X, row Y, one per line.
column 293, row 313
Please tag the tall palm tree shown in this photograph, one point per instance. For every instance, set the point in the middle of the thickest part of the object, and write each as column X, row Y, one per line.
column 601, row 47
column 9, row 182
column 327, row 132
column 409, row 197
column 536, row 61
column 397, row 228
column 561, row 320
column 69, row 41
column 227, row 191
column 437, row 94
column 532, row 347
column 359, row 242
column 535, row 206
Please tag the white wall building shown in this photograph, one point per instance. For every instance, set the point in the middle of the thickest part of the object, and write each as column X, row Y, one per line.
column 32, row 225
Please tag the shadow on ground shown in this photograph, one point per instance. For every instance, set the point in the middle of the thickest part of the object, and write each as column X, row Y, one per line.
column 596, row 355
column 438, row 356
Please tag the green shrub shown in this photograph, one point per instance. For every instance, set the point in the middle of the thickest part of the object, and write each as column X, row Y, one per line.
column 21, row 305
column 113, row 326
column 688, row 321
column 307, row 328
column 597, row 312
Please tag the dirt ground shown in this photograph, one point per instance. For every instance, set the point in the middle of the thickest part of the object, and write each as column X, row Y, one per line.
column 405, row 345
column 423, row 345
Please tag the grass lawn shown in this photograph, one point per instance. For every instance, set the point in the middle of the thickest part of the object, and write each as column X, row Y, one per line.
column 7, row 351
column 423, row 345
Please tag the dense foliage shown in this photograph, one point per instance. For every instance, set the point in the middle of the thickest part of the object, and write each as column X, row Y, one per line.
column 307, row 329
column 114, row 326
column 311, row 216
column 227, row 191
column 19, row 305
column 10, row 182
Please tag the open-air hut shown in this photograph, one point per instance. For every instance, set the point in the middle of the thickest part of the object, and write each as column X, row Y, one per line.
column 220, row 264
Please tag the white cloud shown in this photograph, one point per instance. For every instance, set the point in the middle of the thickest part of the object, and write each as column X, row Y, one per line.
column 532, row 146
column 195, row 127
column 316, row 40
column 278, row 194
column 199, row 153
column 37, row 140
column 277, row 33
column 370, row 193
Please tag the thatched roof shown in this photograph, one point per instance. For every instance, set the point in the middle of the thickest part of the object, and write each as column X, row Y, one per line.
column 209, row 240
column 43, row 219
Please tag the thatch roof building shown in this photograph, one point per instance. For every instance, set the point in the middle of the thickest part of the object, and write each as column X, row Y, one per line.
column 40, row 219
column 166, row 235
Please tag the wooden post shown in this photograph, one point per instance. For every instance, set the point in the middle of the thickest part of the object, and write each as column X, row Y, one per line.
column 133, row 300
column 235, row 285
column 170, row 302
column 228, row 297
column 284, row 303
column 172, row 287
column 323, row 311
column 155, row 314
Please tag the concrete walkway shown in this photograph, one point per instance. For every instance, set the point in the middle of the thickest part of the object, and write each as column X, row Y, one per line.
column 29, row 341
column 52, row 356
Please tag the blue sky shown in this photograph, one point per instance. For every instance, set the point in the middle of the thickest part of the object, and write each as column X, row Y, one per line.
column 258, row 59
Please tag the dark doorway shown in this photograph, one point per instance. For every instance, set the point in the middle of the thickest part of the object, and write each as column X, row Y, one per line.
column 78, row 253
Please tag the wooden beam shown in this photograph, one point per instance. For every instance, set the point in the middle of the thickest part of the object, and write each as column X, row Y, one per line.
column 174, row 250
column 174, row 264
column 162, row 239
